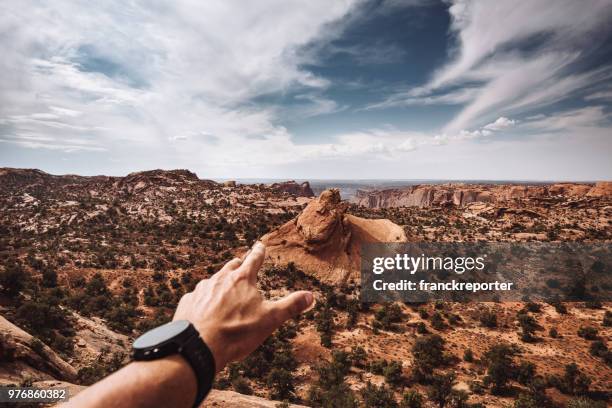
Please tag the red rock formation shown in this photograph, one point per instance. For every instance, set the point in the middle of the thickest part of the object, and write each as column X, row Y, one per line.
column 325, row 241
column 291, row 187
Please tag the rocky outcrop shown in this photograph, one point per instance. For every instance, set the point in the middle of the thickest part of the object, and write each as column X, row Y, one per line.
column 460, row 195
column 230, row 399
column 422, row 196
column 22, row 354
column 216, row 398
column 325, row 241
column 601, row 189
column 139, row 181
column 291, row 187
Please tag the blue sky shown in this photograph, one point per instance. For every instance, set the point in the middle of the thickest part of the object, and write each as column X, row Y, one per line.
column 309, row 89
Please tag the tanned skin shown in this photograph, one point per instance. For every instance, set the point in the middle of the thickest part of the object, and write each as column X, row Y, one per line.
column 232, row 318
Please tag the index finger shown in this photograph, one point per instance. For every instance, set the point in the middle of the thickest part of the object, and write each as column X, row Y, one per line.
column 254, row 260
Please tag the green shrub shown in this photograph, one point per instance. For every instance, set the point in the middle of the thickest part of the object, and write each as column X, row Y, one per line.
column 588, row 332
column 412, row 399
column 393, row 373
column 500, row 366
column 241, row 386
column 379, row 397
column 488, row 319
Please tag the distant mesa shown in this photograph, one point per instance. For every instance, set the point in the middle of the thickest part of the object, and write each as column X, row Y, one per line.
column 325, row 241
column 291, row 187
column 460, row 194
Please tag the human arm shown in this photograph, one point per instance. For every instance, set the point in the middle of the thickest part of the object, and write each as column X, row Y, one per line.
column 232, row 318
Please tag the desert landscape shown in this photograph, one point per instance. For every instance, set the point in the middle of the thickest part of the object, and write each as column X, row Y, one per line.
column 89, row 263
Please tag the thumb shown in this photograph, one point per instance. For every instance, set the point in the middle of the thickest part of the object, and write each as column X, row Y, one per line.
column 290, row 306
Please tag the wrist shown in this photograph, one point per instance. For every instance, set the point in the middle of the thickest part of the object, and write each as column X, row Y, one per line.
column 211, row 338
column 185, row 373
column 172, row 372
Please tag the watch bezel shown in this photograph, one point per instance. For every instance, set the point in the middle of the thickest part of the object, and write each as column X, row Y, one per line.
column 164, row 348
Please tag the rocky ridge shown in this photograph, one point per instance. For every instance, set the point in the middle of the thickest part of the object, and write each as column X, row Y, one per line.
column 460, row 194
column 297, row 189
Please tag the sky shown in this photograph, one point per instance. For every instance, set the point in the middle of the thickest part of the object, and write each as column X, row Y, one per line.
column 317, row 89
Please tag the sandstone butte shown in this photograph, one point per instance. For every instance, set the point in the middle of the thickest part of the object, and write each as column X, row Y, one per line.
column 325, row 241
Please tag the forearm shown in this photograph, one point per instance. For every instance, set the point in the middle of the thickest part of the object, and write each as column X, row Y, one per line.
column 167, row 382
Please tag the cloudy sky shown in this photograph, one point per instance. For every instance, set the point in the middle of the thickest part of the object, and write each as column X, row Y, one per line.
column 309, row 89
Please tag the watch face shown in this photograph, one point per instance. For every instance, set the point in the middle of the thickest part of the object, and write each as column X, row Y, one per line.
column 161, row 334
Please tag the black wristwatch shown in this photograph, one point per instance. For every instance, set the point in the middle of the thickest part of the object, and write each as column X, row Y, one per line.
column 179, row 337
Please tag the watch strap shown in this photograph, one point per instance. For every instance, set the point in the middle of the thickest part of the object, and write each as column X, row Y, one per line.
column 201, row 360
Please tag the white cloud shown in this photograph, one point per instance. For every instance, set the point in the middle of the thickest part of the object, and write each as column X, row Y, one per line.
column 145, row 75
column 500, row 124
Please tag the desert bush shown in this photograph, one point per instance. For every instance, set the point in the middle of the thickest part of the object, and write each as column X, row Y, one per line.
column 388, row 315
column 500, row 366
column 325, row 325
column 488, row 319
column 441, row 389
column 12, row 280
column 437, row 322
column 44, row 318
column 588, row 332
column 281, row 383
column 393, row 373
column 607, row 319
column 358, row 356
column 421, row 328
column 104, row 364
column 428, row 352
column 241, row 385
column 412, row 399
column 573, row 382
column 528, row 326
column 331, row 391
column 379, row 397
column 352, row 308
column 525, row 372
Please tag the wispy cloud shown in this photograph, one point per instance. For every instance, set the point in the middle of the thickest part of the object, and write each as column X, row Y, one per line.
column 157, row 73
column 513, row 56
